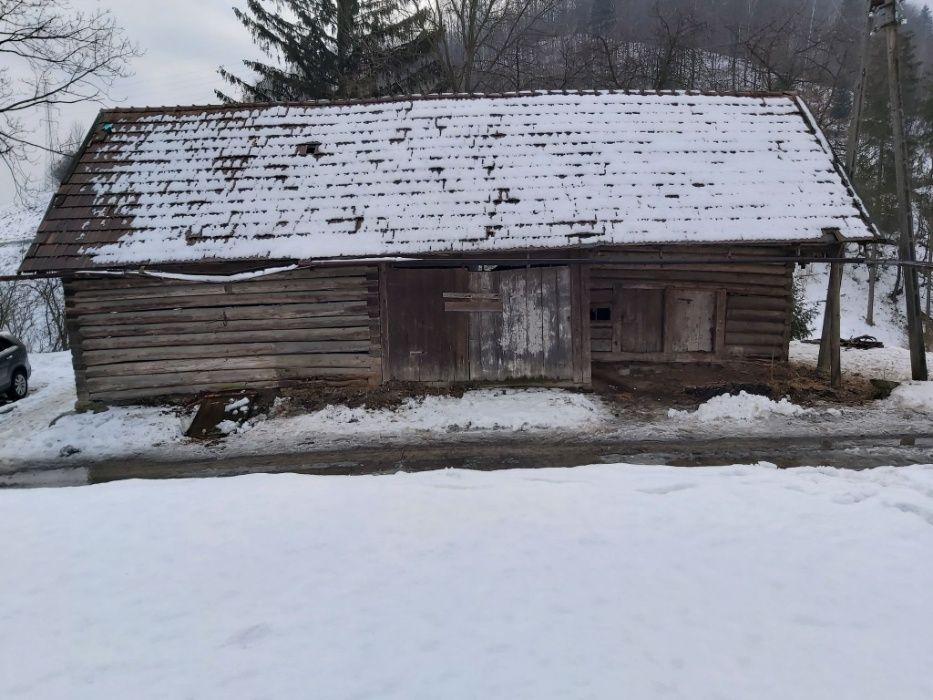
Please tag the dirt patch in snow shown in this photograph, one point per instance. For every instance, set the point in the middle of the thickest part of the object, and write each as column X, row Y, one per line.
column 315, row 397
column 688, row 385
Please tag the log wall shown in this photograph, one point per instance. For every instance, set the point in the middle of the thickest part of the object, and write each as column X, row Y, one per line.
column 140, row 337
column 753, row 309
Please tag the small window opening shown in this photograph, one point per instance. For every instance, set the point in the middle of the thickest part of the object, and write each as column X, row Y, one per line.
column 600, row 313
column 313, row 148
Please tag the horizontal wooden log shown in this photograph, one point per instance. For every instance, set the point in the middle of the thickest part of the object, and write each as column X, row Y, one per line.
column 225, row 325
column 775, row 270
column 659, row 357
column 601, row 345
column 172, row 353
column 757, row 303
column 186, row 383
column 675, row 277
column 602, row 332
column 757, row 314
column 214, row 301
column 756, row 339
column 315, row 361
column 236, row 289
column 743, row 250
column 775, row 328
column 766, row 351
column 232, row 338
column 236, row 313
column 750, row 289
column 105, row 282
column 601, row 295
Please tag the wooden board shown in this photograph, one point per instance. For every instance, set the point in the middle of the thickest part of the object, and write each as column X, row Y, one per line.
column 531, row 338
column 425, row 343
column 690, row 321
column 640, row 324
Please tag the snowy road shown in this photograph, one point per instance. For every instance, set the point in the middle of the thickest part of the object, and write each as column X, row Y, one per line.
column 599, row 582
column 499, row 452
column 536, row 426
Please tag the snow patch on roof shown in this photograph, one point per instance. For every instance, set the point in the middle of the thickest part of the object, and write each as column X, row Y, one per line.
column 419, row 176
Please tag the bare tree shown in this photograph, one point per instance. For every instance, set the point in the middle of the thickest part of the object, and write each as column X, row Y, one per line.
column 52, row 56
column 483, row 43
column 676, row 30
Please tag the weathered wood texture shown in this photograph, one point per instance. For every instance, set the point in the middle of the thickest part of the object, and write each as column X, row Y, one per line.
column 453, row 325
column 691, row 311
column 139, row 337
column 425, row 342
column 531, row 337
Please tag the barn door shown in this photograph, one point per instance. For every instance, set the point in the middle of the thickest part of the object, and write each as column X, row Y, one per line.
column 450, row 325
column 528, row 335
column 639, row 325
column 691, row 320
column 425, row 342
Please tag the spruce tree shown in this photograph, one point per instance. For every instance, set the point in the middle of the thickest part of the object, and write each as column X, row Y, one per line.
column 322, row 49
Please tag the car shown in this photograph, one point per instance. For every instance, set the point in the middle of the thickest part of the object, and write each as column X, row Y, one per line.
column 14, row 367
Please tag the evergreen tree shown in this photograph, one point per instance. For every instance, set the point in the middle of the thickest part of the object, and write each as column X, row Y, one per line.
column 334, row 49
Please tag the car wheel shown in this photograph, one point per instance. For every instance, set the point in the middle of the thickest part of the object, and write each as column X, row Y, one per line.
column 19, row 387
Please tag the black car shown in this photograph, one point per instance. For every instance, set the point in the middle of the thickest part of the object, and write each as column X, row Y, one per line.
column 14, row 368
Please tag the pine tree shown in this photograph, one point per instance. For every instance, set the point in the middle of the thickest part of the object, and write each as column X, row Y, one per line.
column 334, row 49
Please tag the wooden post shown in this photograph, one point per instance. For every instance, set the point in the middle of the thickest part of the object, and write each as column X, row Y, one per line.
column 830, row 362
column 855, row 125
column 918, row 363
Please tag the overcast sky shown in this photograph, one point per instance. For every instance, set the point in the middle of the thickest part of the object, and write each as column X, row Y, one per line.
column 184, row 43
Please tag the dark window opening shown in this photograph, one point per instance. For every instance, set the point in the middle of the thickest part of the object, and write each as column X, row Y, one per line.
column 310, row 149
column 600, row 313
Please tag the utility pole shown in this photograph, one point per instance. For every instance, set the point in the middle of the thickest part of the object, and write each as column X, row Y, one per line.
column 883, row 16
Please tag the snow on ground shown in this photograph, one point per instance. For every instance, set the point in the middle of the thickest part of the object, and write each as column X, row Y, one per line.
column 742, row 407
column 26, row 433
column 596, row 582
column 913, row 396
column 890, row 363
column 482, row 409
column 890, row 320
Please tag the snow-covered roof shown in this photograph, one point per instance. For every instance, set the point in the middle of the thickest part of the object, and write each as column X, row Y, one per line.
column 445, row 174
column 18, row 224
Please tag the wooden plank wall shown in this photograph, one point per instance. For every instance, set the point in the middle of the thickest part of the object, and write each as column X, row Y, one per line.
column 755, row 322
column 450, row 325
column 530, row 336
column 140, row 337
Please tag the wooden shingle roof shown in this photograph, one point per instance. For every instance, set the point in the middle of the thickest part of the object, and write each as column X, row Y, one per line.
column 457, row 174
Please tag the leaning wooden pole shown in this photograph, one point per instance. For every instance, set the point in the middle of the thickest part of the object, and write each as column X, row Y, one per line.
column 829, row 362
column 887, row 14
column 855, row 126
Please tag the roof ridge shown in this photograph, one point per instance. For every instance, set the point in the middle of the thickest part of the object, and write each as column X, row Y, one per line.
column 755, row 94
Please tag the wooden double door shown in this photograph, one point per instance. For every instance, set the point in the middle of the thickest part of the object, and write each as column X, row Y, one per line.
column 659, row 324
column 456, row 325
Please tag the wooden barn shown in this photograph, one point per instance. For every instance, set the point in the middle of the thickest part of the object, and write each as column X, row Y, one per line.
column 497, row 238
